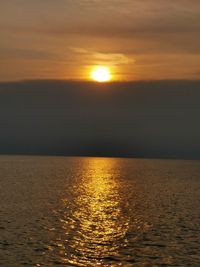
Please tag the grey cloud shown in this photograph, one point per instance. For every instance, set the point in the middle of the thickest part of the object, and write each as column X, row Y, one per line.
column 25, row 53
column 119, row 18
column 141, row 119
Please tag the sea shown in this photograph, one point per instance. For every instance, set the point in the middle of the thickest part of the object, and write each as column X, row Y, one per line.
column 87, row 211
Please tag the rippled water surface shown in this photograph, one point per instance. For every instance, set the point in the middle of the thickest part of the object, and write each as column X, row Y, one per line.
column 58, row 211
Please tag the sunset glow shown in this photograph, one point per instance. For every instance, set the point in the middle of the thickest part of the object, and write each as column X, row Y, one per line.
column 101, row 74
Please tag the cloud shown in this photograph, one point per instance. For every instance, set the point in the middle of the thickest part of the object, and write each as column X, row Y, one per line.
column 113, row 59
column 6, row 52
column 138, row 119
column 113, row 18
column 79, row 50
column 104, row 58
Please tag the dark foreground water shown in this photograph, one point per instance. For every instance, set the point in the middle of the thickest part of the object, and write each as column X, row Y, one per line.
column 58, row 211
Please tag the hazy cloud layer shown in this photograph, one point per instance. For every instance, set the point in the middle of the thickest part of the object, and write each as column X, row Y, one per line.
column 141, row 119
column 103, row 17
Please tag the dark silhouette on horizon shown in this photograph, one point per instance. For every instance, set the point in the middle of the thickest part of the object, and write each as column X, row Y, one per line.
column 155, row 119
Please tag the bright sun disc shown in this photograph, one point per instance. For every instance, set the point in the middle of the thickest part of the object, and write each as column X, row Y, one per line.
column 101, row 74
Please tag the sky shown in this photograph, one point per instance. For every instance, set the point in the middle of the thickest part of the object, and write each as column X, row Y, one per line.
column 64, row 39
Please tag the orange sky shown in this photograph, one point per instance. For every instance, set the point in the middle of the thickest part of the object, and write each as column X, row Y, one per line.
column 139, row 40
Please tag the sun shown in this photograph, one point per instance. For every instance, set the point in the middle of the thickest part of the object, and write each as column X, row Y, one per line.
column 101, row 74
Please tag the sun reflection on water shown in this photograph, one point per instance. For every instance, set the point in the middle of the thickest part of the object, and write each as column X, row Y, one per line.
column 97, row 225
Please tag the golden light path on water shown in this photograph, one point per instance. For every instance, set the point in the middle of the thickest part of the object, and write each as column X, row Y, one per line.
column 58, row 211
column 97, row 225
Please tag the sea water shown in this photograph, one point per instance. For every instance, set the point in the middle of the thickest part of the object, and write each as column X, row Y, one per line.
column 62, row 211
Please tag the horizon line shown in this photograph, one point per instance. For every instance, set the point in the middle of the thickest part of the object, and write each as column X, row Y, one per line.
column 94, row 82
